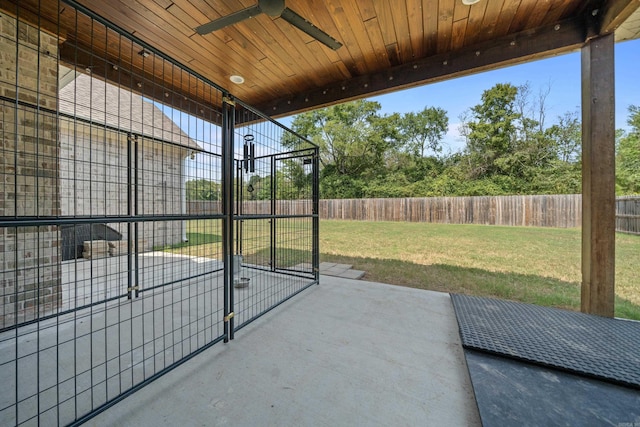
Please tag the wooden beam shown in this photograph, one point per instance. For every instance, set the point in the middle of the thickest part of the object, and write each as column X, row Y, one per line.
column 614, row 13
column 598, row 177
column 516, row 48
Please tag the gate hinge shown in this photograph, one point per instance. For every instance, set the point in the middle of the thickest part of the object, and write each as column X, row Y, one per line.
column 229, row 316
column 229, row 100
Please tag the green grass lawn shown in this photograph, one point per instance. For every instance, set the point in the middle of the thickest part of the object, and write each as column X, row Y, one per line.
column 535, row 265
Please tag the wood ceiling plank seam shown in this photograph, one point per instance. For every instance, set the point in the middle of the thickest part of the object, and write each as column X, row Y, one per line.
column 222, row 56
column 331, row 71
column 403, row 35
column 430, row 15
column 343, row 70
column 460, row 21
column 458, row 31
column 79, row 25
column 393, row 53
column 350, row 45
column 258, row 32
column 229, row 54
column 247, row 41
column 280, row 87
column 181, row 52
column 163, row 3
column 538, row 13
column 375, row 35
column 416, row 27
column 385, row 20
column 519, row 22
column 320, row 16
column 491, row 17
column 305, row 51
column 530, row 44
column 367, row 9
column 137, row 70
column 557, row 12
column 177, row 52
column 362, row 37
column 508, row 13
column 137, row 65
column 445, row 25
column 256, row 35
column 461, row 11
column 572, row 8
column 235, row 59
column 474, row 24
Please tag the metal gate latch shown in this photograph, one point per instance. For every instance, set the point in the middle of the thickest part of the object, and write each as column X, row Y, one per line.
column 229, row 316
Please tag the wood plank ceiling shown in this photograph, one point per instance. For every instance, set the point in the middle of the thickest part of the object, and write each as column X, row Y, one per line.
column 387, row 44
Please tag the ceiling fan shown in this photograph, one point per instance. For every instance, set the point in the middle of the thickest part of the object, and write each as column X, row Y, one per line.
column 273, row 8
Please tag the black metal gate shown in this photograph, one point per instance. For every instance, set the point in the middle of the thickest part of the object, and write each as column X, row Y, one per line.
column 276, row 215
column 135, row 230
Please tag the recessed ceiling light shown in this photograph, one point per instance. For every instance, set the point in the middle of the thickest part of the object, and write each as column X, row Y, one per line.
column 469, row 2
column 237, row 79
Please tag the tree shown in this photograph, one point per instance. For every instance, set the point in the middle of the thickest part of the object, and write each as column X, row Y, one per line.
column 202, row 189
column 507, row 142
column 424, row 130
column 352, row 136
column 628, row 156
column 492, row 130
column 567, row 137
column 293, row 181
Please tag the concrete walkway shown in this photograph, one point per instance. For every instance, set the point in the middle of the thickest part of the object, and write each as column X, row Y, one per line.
column 344, row 353
column 345, row 271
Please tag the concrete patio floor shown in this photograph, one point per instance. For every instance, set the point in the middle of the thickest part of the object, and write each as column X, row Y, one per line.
column 346, row 352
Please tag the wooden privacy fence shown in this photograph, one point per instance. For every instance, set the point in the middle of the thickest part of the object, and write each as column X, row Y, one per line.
column 628, row 214
column 560, row 211
column 539, row 211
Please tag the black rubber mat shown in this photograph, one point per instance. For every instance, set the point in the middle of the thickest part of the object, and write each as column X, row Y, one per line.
column 513, row 393
column 580, row 343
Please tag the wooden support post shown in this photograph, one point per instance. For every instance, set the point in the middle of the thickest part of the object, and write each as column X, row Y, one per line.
column 598, row 177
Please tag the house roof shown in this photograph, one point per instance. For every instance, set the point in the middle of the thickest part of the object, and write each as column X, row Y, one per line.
column 106, row 104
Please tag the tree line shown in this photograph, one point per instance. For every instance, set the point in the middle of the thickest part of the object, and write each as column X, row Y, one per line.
column 509, row 148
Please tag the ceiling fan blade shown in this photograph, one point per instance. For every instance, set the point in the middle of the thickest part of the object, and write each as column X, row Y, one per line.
column 231, row 19
column 303, row 25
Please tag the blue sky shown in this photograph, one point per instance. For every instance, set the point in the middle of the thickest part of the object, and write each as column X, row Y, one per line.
column 562, row 73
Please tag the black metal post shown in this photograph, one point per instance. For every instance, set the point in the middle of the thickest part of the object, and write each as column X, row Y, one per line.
column 315, row 257
column 238, row 201
column 273, row 252
column 228, row 165
column 136, row 205
column 130, row 199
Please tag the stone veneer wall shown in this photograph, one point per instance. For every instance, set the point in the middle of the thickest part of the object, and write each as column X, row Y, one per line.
column 29, row 165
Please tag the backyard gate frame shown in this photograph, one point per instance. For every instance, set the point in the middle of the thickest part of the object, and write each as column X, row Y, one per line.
column 233, row 117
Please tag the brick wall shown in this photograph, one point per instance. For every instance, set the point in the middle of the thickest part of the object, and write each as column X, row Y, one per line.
column 29, row 165
column 93, row 175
